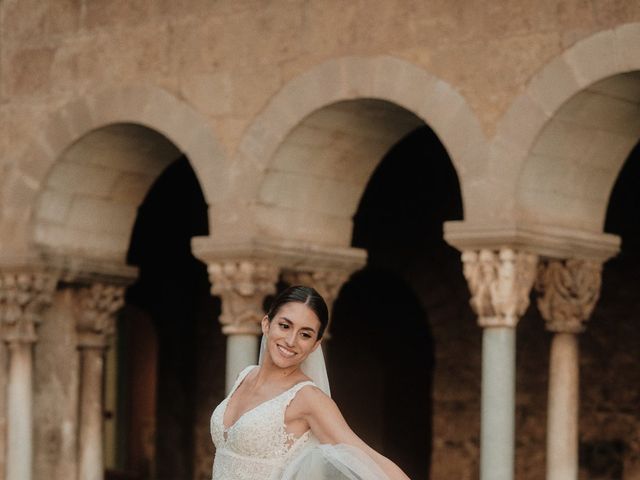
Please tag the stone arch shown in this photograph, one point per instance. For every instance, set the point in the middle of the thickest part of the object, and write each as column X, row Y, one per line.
column 560, row 146
column 362, row 97
column 150, row 112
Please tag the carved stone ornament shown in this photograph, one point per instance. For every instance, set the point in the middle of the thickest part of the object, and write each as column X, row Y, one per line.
column 326, row 282
column 95, row 316
column 242, row 286
column 23, row 297
column 500, row 283
column 569, row 289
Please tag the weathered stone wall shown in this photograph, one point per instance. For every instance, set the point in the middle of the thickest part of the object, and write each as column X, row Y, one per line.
column 4, row 364
column 437, row 278
column 532, row 357
column 211, row 350
column 610, row 375
column 227, row 82
column 228, row 58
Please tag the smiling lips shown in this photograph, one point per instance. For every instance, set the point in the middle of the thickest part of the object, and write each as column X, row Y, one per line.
column 285, row 352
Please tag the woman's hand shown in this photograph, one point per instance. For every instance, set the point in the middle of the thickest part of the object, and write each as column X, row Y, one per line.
column 329, row 426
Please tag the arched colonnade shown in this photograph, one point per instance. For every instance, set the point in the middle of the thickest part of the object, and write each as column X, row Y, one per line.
column 281, row 203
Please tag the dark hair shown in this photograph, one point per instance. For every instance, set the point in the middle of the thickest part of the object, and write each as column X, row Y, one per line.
column 306, row 295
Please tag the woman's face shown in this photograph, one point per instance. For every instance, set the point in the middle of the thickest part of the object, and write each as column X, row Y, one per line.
column 291, row 335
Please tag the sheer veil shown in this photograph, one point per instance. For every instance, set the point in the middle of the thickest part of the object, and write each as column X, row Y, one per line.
column 323, row 461
column 313, row 367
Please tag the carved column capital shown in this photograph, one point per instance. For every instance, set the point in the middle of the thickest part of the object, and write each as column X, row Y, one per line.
column 242, row 286
column 96, row 307
column 23, row 297
column 326, row 282
column 569, row 290
column 500, row 282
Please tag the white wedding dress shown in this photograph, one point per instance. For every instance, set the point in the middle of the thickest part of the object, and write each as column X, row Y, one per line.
column 258, row 447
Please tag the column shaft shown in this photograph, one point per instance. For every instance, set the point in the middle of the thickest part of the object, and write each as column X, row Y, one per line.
column 500, row 282
column 569, row 290
column 562, row 417
column 24, row 294
column 19, row 412
column 242, row 351
column 497, row 434
column 90, row 461
column 242, row 286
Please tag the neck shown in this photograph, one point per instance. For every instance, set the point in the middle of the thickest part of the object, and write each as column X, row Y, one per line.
column 270, row 372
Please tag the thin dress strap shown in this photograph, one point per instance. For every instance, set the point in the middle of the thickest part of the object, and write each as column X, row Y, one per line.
column 291, row 393
column 241, row 377
column 289, row 438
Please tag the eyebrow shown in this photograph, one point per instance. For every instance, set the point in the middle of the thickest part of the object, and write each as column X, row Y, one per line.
column 301, row 328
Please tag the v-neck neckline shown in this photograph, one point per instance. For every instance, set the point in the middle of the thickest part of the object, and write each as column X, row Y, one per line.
column 226, row 429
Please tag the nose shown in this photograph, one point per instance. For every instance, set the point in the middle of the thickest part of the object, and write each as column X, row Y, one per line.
column 290, row 338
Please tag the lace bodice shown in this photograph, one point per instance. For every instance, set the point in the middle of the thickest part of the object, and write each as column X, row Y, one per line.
column 257, row 446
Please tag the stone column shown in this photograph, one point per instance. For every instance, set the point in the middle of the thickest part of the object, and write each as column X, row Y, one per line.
column 95, row 322
column 326, row 282
column 569, row 290
column 243, row 287
column 500, row 282
column 23, row 296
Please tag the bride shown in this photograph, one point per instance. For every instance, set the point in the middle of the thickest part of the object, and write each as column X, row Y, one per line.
column 279, row 421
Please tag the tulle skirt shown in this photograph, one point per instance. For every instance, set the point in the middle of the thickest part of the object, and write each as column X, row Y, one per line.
column 333, row 462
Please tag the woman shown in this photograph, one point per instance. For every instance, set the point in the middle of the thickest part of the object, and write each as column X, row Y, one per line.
column 278, row 421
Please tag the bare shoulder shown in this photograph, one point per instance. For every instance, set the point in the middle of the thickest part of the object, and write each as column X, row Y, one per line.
column 311, row 400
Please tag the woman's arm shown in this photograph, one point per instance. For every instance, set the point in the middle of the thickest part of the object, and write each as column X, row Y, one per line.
column 329, row 426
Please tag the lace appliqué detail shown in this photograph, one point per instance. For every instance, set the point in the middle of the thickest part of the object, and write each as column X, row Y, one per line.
column 257, row 446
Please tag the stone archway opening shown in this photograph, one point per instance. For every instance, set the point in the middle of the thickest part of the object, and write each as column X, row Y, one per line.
column 398, row 320
column 126, row 194
column 381, row 361
column 312, row 186
column 91, row 195
column 369, row 173
column 580, row 178
column 572, row 166
column 170, row 319
column 610, row 423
